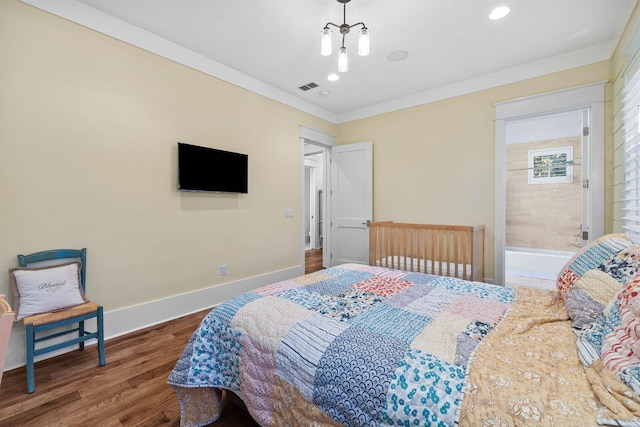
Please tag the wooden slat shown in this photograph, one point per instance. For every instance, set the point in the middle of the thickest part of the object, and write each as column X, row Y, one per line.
column 446, row 249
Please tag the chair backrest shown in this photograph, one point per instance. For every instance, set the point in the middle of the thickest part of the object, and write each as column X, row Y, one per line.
column 54, row 257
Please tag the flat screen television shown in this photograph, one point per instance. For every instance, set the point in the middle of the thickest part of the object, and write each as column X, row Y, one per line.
column 209, row 169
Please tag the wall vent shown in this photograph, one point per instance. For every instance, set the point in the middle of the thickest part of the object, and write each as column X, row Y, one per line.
column 308, row 86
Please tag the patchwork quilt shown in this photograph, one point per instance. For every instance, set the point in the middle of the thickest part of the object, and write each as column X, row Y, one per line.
column 353, row 345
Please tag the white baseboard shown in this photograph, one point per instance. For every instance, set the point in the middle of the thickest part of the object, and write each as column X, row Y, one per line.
column 130, row 319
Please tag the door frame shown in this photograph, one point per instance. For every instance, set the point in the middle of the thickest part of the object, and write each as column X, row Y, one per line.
column 592, row 97
column 326, row 141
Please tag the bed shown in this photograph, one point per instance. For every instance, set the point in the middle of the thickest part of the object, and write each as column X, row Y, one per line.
column 361, row 345
column 442, row 250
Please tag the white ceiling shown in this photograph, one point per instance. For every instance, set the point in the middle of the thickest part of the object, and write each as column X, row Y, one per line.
column 273, row 46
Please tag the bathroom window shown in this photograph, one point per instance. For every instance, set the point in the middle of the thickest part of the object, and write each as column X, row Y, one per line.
column 551, row 166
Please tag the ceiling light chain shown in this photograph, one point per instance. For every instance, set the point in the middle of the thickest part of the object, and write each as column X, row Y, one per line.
column 363, row 39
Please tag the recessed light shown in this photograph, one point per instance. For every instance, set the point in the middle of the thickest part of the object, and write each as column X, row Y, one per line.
column 398, row 55
column 499, row 13
column 333, row 77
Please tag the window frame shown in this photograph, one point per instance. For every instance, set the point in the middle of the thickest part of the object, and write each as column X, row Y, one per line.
column 567, row 165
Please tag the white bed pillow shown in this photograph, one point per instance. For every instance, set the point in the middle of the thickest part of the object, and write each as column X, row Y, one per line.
column 46, row 289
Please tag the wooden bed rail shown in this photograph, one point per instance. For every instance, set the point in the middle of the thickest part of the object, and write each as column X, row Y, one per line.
column 445, row 250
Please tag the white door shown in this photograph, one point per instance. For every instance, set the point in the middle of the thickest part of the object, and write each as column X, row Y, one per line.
column 351, row 202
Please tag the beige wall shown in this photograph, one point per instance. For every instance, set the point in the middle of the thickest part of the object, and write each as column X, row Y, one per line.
column 88, row 157
column 435, row 163
column 542, row 216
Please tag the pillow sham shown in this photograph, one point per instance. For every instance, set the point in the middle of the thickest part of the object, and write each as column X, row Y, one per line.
column 45, row 289
column 595, row 274
column 610, row 352
column 621, row 343
column 615, row 336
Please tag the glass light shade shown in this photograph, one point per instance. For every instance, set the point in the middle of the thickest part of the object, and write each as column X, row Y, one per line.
column 325, row 43
column 499, row 13
column 343, row 61
column 363, row 42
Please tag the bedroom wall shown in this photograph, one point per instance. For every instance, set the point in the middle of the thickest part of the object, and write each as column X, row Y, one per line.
column 88, row 141
column 88, row 138
column 434, row 163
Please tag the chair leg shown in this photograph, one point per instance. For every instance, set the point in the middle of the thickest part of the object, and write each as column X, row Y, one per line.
column 101, row 337
column 81, row 334
column 31, row 383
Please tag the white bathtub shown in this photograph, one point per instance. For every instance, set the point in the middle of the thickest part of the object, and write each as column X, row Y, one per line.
column 543, row 264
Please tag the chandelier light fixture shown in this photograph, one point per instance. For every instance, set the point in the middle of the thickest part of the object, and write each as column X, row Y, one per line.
column 363, row 40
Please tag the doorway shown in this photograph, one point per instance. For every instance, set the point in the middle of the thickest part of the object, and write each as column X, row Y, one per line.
column 341, row 203
column 315, row 156
column 589, row 100
column 544, row 195
column 315, row 211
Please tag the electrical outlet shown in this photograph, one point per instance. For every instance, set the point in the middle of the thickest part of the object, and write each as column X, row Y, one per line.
column 288, row 213
column 223, row 270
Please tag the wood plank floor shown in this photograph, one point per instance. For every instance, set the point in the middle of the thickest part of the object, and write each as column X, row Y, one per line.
column 312, row 260
column 130, row 390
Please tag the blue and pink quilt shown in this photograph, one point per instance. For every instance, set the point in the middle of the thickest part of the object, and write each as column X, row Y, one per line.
column 352, row 345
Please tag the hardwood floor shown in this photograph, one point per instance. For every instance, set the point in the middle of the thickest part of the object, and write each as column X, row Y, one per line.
column 312, row 260
column 130, row 390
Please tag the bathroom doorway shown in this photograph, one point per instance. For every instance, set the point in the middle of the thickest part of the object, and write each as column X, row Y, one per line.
column 544, row 195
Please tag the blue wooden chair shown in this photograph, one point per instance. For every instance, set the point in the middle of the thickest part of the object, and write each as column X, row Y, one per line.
column 67, row 321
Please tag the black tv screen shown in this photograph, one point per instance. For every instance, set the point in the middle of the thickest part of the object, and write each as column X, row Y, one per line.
column 209, row 169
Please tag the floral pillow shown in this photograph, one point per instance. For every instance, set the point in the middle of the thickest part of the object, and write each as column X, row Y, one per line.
column 610, row 351
column 621, row 344
column 593, row 277
column 45, row 289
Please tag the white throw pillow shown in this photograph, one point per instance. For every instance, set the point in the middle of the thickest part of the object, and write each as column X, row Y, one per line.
column 46, row 289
